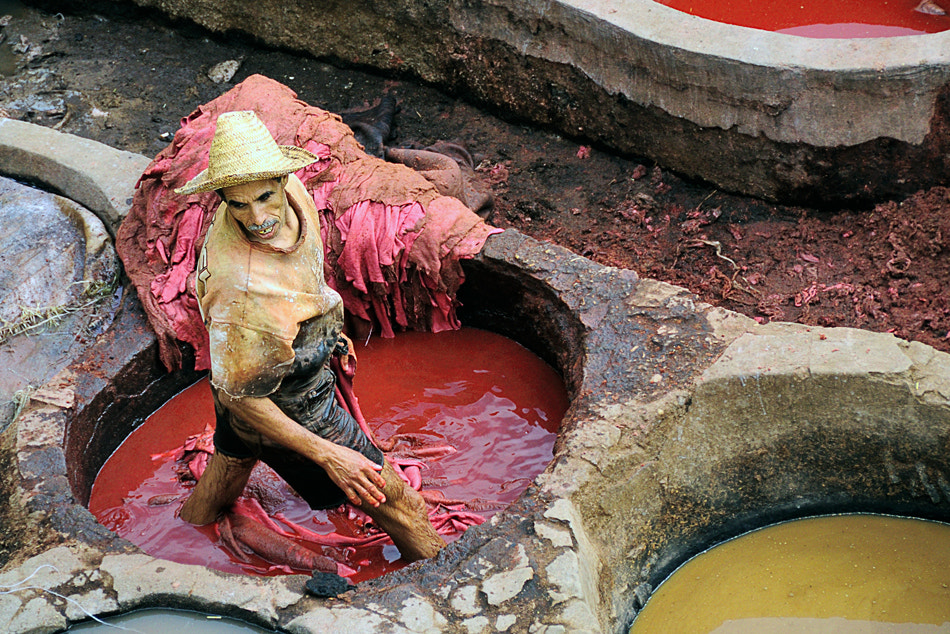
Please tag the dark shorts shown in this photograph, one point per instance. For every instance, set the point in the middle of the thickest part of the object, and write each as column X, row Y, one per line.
column 313, row 405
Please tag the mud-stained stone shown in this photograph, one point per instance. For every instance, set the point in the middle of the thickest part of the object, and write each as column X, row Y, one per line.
column 404, row 604
column 563, row 510
column 592, row 316
column 49, row 569
column 728, row 325
column 75, row 521
column 578, row 617
column 94, row 602
column 567, row 476
column 10, row 605
column 812, row 353
column 31, row 605
column 504, row 586
column 37, row 616
column 55, row 275
column 494, row 555
column 521, row 557
column 476, row 625
column 587, row 558
column 58, row 391
column 44, row 260
column 654, row 294
column 932, row 376
column 541, row 628
column 136, row 577
column 564, row 573
column 419, row 616
column 503, row 622
column 559, row 537
column 465, row 600
column 655, row 339
column 343, row 619
column 443, row 591
column 592, row 442
column 48, row 461
column 621, row 414
column 40, row 427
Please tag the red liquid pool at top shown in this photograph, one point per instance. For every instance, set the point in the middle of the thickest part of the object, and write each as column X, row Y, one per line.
column 821, row 18
column 496, row 403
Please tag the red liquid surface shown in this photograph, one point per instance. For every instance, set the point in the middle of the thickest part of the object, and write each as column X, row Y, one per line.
column 496, row 403
column 821, row 18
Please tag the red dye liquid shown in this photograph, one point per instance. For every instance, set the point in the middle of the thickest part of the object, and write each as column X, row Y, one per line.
column 821, row 18
column 495, row 402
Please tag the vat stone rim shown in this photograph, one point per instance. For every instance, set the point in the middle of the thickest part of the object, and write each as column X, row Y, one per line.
column 588, row 541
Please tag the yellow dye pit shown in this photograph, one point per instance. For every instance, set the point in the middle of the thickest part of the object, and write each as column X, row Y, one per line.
column 845, row 574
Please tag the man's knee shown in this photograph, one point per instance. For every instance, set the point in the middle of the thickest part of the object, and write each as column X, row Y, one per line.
column 221, row 483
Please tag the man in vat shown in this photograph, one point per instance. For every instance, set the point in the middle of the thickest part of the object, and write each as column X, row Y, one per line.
column 273, row 324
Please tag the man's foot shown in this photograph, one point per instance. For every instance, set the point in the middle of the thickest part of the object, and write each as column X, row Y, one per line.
column 372, row 126
column 450, row 168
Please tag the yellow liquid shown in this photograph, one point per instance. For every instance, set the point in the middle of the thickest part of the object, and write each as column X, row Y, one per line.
column 847, row 574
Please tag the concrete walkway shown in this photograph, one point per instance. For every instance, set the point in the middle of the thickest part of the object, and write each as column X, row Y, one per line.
column 688, row 424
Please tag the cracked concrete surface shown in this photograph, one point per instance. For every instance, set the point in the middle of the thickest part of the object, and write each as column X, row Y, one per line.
column 688, row 424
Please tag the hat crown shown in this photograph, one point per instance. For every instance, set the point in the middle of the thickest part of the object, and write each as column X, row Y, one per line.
column 243, row 150
column 242, row 145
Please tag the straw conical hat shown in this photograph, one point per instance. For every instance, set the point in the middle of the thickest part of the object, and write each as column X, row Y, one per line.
column 243, row 151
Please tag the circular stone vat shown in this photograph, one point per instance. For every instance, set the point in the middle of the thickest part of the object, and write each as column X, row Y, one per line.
column 799, row 120
column 95, row 432
column 787, row 425
column 478, row 410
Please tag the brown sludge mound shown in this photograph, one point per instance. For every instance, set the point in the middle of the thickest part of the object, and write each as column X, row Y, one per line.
column 886, row 270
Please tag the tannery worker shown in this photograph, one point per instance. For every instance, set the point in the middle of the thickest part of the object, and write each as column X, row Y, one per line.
column 274, row 324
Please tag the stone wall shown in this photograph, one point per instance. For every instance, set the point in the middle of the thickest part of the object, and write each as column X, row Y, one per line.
column 775, row 116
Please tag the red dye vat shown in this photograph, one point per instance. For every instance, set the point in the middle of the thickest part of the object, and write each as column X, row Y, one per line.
column 495, row 402
column 822, row 18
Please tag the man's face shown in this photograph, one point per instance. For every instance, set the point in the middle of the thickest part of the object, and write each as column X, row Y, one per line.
column 260, row 207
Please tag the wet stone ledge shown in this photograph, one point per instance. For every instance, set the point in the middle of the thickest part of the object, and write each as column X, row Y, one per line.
column 688, row 424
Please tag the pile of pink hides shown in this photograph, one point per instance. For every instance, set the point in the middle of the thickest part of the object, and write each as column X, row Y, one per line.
column 392, row 242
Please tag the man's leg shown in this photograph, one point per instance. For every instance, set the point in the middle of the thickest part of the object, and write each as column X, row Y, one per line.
column 219, row 486
column 405, row 518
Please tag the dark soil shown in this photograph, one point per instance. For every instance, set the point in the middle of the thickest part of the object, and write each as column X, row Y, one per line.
column 126, row 80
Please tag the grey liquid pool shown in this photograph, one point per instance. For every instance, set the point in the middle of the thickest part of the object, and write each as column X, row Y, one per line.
column 163, row 621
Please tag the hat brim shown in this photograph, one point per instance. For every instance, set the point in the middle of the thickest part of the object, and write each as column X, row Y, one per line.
column 295, row 158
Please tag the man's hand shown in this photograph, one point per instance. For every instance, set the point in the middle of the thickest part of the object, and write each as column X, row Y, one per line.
column 356, row 475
